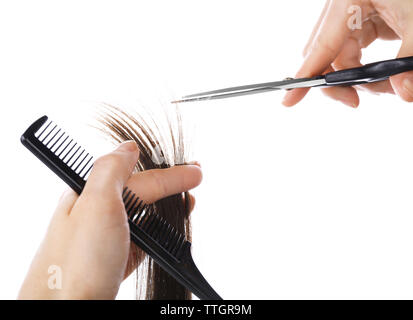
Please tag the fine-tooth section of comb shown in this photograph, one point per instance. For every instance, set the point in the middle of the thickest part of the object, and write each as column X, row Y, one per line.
column 152, row 233
column 72, row 156
column 151, row 224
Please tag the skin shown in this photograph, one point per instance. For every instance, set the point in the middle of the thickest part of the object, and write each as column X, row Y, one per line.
column 88, row 236
column 333, row 46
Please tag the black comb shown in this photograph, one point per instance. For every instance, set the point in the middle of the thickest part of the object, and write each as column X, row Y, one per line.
column 153, row 234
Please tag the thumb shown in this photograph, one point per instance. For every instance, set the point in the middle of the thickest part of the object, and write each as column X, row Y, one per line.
column 403, row 83
column 110, row 172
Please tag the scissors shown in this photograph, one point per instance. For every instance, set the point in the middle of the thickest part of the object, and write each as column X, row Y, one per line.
column 373, row 72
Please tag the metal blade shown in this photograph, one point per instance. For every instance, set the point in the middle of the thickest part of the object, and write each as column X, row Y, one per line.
column 254, row 89
column 224, row 95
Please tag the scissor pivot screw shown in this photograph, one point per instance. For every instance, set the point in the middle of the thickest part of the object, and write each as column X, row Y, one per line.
column 286, row 79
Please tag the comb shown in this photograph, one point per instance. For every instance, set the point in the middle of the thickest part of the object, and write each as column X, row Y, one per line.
column 160, row 240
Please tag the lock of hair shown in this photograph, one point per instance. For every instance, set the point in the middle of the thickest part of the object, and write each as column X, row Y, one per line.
column 152, row 233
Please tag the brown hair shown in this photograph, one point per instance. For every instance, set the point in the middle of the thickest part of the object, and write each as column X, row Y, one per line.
column 158, row 149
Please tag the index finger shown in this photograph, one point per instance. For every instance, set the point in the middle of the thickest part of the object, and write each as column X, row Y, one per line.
column 316, row 27
column 325, row 46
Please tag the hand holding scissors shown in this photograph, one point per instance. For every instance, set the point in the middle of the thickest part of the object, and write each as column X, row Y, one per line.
column 334, row 46
column 370, row 73
column 333, row 53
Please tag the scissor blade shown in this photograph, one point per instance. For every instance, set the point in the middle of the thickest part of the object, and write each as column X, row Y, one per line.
column 223, row 95
column 254, row 88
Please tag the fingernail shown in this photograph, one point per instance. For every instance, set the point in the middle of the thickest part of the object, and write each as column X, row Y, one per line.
column 408, row 86
column 195, row 163
column 129, row 146
column 350, row 104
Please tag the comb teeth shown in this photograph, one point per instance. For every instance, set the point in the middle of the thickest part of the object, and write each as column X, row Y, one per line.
column 161, row 241
column 73, row 164
column 145, row 218
column 72, row 154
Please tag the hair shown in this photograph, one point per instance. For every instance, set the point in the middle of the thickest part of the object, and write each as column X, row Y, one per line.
column 158, row 149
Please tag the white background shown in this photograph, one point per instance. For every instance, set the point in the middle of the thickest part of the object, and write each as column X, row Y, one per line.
column 309, row 202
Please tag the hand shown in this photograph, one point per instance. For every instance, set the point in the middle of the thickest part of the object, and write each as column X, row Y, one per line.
column 88, row 237
column 334, row 46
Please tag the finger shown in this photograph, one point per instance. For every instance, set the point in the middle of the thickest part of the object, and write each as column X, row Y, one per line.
column 110, row 172
column 316, row 27
column 191, row 201
column 383, row 31
column 325, row 47
column 346, row 95
column 377, row 87
column 365, row 36
column 292, row 97
column 373, row 28
column 195, row 163
column 350, row 57
column 329, row 41
column 403, row 83
column 66, row 203
column 152, row 185
column 136, row 255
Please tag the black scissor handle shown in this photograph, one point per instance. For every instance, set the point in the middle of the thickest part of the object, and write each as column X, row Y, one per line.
column 372, row 72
